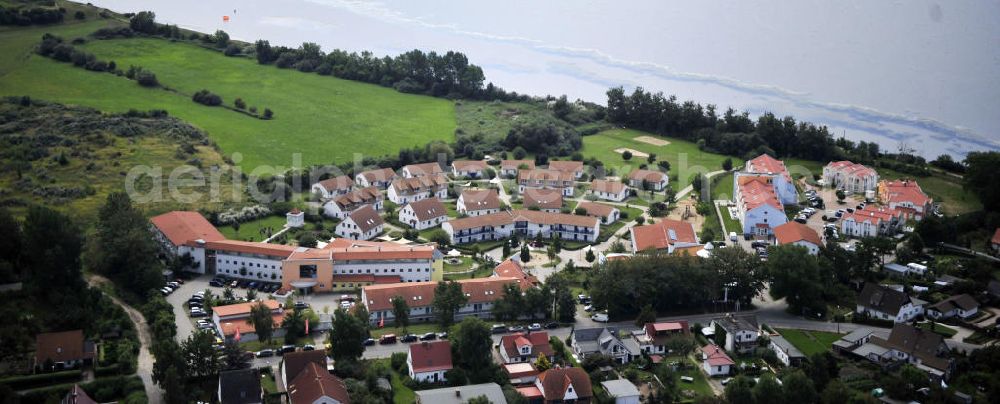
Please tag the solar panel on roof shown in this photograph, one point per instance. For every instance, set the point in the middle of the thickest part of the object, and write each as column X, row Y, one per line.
column 672, row 234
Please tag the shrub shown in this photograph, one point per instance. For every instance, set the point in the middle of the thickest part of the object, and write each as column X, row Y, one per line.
column 146, row 78
column 268, row 114
column 80, row 15
column 41, row 379
column 398, row 361
column 240, row 104
column 206, row 97
column 231, row 50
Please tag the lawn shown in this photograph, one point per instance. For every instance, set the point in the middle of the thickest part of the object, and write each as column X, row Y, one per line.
column 400, row 393
column 465, row 264
column 609, row 229
column 254, row 230
column 480, row 272
column 939, row 328
column 324, row 119
column 809, row 342
column 945, row 190
column 684, row 157
column 418, row 329
column 699, row 385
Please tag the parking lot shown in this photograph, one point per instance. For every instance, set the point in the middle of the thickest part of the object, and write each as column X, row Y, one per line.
column 829, row 197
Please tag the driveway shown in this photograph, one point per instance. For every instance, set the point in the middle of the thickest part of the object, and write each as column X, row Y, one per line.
column 144, row 364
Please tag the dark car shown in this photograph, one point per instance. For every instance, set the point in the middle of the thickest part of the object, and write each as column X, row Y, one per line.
column 301, row 305
column 758, row 244
column 387, row 339
column 215, row 283
column 442, row 335
column 553, row 325
column 409, row 338
column 369, row 341
column 428, row 337
column 498, row 329
column 286, row 349
column 800, row 220
column 265, row 353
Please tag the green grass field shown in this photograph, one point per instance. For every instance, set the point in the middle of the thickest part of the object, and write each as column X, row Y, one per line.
column 939, row 328
column 324, row 118
column 809, row 342
column 684, row 157
column 253, row 229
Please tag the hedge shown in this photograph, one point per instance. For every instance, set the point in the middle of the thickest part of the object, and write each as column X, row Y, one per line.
column 102, row 390
column 41, row 379
column 111, row 370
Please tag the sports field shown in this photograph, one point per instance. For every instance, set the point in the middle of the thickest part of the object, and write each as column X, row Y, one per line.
column 324, row 118
column 684, row 157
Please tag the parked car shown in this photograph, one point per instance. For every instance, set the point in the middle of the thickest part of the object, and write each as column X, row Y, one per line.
column 726, row 381
column 732, row 236
column 387, row 339
column 498, row 328
column 265, row 353
column 759, row 244
column 588, row 308
column 516, row 328
column 409, row 338
column 553, row 325
column 286, row 349
column 428, row 337
column 534, row 327
column 369, row 341
column 800, row 219
column 308, row 347
column 442, row 335
column 301, row 305
column 215, row 283
column 600, row 317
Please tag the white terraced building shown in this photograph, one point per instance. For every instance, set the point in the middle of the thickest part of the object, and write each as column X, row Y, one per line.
column 850, row 177
column 524, row 223
column 405, row 190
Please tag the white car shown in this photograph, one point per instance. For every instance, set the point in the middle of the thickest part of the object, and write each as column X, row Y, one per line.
column 600, row 317
column 732, row 236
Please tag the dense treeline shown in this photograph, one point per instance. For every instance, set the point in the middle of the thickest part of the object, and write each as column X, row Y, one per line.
column 23, row 16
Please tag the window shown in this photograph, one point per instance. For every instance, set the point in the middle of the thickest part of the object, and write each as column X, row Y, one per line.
column 307, row 271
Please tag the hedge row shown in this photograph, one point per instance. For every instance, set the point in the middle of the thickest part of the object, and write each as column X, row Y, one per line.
column 41, row 379
column 101, row 389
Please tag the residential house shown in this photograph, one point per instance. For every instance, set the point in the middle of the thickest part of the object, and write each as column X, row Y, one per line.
column 523, row 223
column 616, row 342
column 521, row 373
column 421, row 170
column 608, row 214
column 872, row 221
column 653, row 338
column 784, row 187
column 428, row 361
column 962, row 306
column 184, row 232
column 332, row 187
column 362, row 224
column 798, row 234
column 906, row 196
column 294, row 363
column 546, row 179
column 884, row 303
column 545, row 200
column 240, row 387
column 922, row 348
column 77, row 395
column 63, row 350
column 622, row 390
column 315, row 385
column 468, row 168
column 758, row 205
column 522, row 347
column 736, row 333
column 478, row 202
column 646, row 180
column 573, row 167
column 565, row 385
column 341, row 206
column 856, row 338
column 787, row 353
column 509, row 168
column 995, row 241
column 666, row 235
column 231, row 320
column 378, row 178
column 461, row 394
column 609, row 190
column 511, row 268
column 406, row 190
column 419, row 296
column 715, row 362
column 850, row 177
column 424, row 214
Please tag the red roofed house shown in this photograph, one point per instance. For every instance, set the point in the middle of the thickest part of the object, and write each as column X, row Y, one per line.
column 546, row 179
column 906, row 196
column 715, row 361
column 995, row 241
column 428, row 361
column 185, row 232
column 609, row 190
column 655, row 336
column 767, row 166
column 481, row 292
column 477, row 202
column 315, row 384
column 62, row 350
column 362, row 224
column 798, row 234
column 565, row 385
column 341, row 206
column 512, row 269
column 608, row 214
column 296, row 363
column 468, row 168
column 332, row 187
column 378, row 178
column 409, row 189
column 521, row 347
column 666, row 235
column 758, row 205
column 573, row 167
column 851, row 177
column 421, row 170
column 509, row 168
column 230, row 318
column 871, row 221
column 424, row 214
column 545, row 200
column 648, row 179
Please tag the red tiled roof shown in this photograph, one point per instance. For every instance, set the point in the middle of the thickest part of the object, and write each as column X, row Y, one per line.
column 757, row 191
column 61, row 346
column 517, row 370
column 421, row 294
column 298, row 362
column 648, row 175
column 480, row 199
column 596, row 209
column 469, row 165
column 769, row 165
column 716, row 356
column 537, row 217
column 428, row 208
column 544, row 175
column 512, row 269
column 791, row 232
column 430, row 356
column 851, row 168
column 342, row 182
column 539, row 342
column 542, row 198
column 314, row 383
column 346, row 249
column 252, row 247
column 568, row 166
column 366, row 218
column 242, row 308
column 418, row 170
column 229, row 327
column 183, row 227
column 363, row 195
column 381, row 174
column 996, row 237
column 556, row 381
column 611, row 187
column 514, row 164
column 904, row 191
column 529, row 392
column 409, row 186
column 658, row 235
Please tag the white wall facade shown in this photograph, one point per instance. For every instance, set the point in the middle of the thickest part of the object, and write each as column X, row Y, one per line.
column 566, row 232
column 408, row 270
column 765, row 214
column 407, row 216
column 867, row 228
column 348, row 229
column 258, row 268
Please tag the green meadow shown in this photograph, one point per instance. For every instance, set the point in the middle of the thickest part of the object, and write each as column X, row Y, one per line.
column 684, row 156
column 324, row 118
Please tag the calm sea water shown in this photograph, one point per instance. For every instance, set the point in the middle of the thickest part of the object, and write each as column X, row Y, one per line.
column 918, row 74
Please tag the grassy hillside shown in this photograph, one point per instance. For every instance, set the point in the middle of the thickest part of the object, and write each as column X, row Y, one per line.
column 684, row 157
column 323, row 118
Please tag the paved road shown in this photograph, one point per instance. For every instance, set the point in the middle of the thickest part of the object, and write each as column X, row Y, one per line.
column 145, row 361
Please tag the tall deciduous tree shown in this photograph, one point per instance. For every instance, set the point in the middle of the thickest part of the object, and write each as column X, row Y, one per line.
column 980, row 178
column 740, row 391
column 262, row 321
column 448, row 298
column 798, row 388
column 54, row 262
column 122, row 247
column 200, row 355
column 511, row 304
column 401, row 312
column 471, row 342
column 768, row 390
column 347, row 336
column 795, row 276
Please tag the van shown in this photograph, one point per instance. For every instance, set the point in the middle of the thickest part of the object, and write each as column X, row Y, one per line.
column 600, row 317
column 387, row 339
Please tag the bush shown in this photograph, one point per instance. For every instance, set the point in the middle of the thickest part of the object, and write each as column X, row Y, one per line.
column 208, row 98
column 240, row 104
column 231, row 50
column 268, row 114
column 79, row 15
column 146, row 78
column 398, row 361
column 41, row 379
